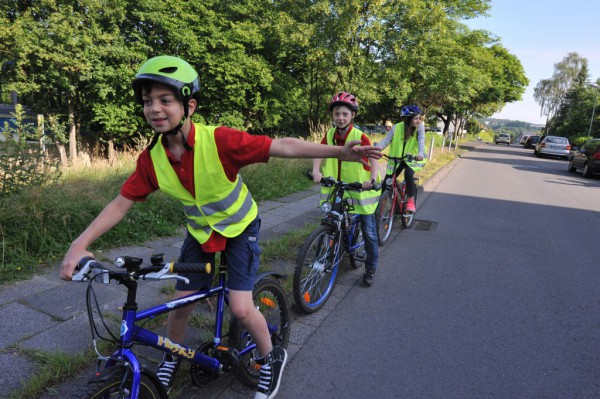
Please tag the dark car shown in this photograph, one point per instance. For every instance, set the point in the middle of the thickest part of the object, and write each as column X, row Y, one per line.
column 531, row 141
column 586, row 158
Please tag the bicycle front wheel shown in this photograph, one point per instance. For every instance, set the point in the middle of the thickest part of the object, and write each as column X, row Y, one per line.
column 116, row 387
column 316, row 269
column 270, row 299
column 385, row 217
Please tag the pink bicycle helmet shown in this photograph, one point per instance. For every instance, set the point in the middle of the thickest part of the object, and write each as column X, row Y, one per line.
column 344, row 98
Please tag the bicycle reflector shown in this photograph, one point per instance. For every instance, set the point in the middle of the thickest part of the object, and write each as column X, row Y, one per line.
column 326, row 207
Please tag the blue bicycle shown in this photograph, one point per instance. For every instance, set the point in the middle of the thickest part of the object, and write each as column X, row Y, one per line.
column 121, row 375
column 319, row 258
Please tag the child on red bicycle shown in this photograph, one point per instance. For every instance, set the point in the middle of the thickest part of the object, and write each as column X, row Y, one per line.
column 407, row 137
column 343, row 107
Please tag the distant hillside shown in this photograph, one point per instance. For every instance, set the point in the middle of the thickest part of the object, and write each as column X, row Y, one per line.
column 507, row 125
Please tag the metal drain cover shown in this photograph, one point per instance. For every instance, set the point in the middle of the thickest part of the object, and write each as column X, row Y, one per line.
column 424, row 225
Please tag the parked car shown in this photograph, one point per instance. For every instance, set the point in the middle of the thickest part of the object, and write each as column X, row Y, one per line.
column 531, row 141
column 502, row 138
column 523, row 139
column 553, row 145
column 586, row 158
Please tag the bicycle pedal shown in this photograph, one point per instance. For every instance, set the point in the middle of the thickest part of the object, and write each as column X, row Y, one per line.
column 228, row 357
column 360, row 256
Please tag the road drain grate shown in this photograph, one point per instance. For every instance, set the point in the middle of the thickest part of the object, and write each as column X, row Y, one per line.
column 424, row 225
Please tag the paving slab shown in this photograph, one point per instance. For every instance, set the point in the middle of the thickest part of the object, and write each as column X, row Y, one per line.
column 20, row 321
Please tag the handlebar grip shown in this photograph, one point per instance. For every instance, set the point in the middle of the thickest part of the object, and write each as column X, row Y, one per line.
column 308, row 174
column 204, row 268
column 93, row 263
column 87, row 267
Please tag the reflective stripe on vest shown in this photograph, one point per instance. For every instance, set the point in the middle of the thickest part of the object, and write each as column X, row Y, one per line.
column 365, row 202
column 397, row 147
column 221, row 205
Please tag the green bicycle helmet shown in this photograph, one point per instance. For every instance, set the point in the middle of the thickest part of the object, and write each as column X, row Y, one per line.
column 171, row 71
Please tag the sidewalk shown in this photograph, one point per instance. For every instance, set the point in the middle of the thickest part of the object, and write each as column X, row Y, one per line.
column 48, row 314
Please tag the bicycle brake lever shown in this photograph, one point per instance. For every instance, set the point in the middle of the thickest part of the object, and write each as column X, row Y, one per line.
column 165, row 274
column 175, row 277
column 90, row 270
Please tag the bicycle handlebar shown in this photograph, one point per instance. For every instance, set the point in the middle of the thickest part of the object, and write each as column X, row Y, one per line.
column 407, row 157
column 90, row 268
column 330, row 182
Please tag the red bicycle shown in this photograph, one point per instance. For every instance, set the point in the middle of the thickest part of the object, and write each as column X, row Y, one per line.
column 393, row 202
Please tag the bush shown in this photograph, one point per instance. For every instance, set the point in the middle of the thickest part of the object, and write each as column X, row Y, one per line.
column 578, row 141
column 24, row 167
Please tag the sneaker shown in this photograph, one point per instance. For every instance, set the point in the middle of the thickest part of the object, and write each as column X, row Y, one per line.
column 368, row 277
column 410, row 205
column 166, row 370
column 271, row 370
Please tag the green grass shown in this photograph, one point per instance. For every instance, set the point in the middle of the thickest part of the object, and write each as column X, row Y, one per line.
column 51, row 368
column 38, row 225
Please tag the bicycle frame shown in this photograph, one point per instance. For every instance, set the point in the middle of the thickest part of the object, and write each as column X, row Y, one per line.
column 337, row 216
column 131, row 333
column 398, row 188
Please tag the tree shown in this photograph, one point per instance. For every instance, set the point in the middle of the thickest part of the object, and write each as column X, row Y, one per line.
column 550, row 93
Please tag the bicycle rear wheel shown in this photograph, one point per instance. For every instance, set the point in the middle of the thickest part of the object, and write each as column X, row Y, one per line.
column 408, row 217
column 270, row 299
column 316, row 269
column 117, row 386
column 385, row 217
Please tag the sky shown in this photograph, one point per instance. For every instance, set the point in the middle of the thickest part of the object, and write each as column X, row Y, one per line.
column 540, row 34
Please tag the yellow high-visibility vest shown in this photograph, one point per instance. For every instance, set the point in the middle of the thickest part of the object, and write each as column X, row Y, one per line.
column 398, row 149
column 221, row 205
column 365, row 202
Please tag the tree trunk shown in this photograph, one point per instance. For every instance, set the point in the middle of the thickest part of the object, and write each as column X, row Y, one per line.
column 63, row 155
column 111, row 152
column 72, row 132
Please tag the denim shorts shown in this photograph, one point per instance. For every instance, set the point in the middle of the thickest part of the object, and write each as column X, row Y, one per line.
column 243, row 258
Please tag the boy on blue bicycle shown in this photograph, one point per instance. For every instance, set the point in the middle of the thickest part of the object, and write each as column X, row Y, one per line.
column 199, row 166
column 343, row 108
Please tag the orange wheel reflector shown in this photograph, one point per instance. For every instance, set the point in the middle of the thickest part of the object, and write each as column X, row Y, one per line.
column 306, row 297
column 268, row 302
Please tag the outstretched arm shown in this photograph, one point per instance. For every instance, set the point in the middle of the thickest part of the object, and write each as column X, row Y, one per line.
column 288, row 147
column 112, row 214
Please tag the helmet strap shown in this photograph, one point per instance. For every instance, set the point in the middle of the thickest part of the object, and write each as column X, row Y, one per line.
column 343, row 128
column 172, row 132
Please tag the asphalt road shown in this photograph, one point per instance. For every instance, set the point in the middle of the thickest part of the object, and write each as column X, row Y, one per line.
column 498, row 297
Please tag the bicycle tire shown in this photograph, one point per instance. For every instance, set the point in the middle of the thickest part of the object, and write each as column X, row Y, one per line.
column 408, row 217
column 116, row 387
column 315, row 275
column 358, row 256
column 271, row 300
column 385, row 217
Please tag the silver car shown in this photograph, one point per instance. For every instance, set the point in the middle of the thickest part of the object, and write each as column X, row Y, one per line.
column 502, row 138
column 553, row 145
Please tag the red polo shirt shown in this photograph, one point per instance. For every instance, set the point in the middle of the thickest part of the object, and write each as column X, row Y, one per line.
column 236, row 149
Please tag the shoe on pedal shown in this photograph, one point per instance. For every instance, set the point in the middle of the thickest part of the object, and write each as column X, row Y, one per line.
column 166, row 370
column 271, row 370
column 368, row 277
column 410, row 205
